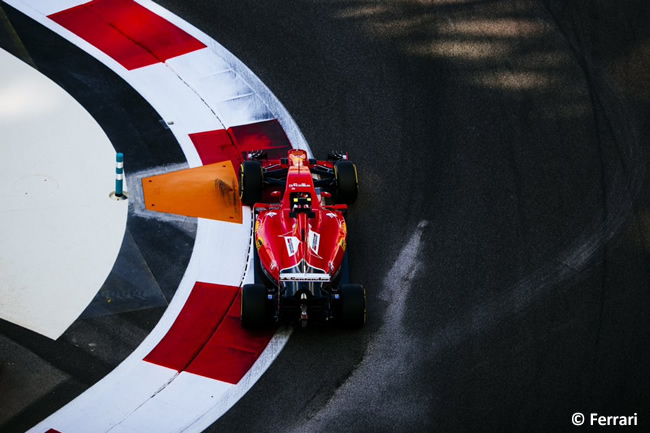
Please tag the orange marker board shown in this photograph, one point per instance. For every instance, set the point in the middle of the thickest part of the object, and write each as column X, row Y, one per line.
column 210, row 191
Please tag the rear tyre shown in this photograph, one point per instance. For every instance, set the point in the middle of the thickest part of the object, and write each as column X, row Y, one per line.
column 353, row 306
column 347, row 182
column 253, row 306
column 251, row 179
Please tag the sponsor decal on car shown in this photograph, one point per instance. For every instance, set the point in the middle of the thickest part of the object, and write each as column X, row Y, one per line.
column 299, row 185
column 292, row 245
column 289, row 276
column 314, row 241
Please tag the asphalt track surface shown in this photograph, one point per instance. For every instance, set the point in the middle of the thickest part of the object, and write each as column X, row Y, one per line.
column 503, row 226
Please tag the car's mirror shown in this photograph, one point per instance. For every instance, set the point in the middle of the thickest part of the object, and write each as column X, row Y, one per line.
column 326, row 194
column 276, row 193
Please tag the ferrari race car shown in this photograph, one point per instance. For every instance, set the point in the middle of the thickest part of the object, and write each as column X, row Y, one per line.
column 300, row 259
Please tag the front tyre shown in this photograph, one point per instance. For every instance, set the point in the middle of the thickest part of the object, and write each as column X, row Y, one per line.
column 253, row 306
column 347, row 182
column 251, row 180
column 353, row 306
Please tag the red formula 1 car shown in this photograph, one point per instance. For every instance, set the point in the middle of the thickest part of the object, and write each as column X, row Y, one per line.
column 301, row 273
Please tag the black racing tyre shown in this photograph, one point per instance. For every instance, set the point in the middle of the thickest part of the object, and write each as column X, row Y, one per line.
column 347, row 182
column 353, row 306
column 253, row 306
column 251, row 179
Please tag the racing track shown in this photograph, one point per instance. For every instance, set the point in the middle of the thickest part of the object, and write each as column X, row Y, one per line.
column 517, row 130
column 502, row 230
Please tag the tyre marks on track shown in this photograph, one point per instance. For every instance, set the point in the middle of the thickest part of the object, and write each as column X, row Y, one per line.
column 379, row 379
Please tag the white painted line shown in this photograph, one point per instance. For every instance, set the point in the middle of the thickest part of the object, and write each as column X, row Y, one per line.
column 104, row 407
column 243, row 110
column 58, row 171
column 197, row 65
column 178, row 405
column 49, row 7
column 224, row 248
column 163, row 88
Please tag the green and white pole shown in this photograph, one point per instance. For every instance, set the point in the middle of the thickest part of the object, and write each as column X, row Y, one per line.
column 119, row 175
